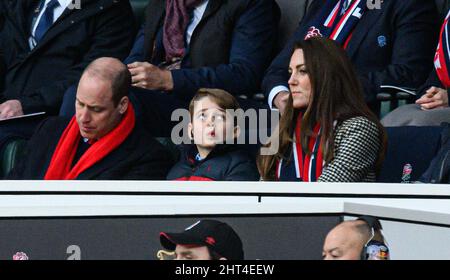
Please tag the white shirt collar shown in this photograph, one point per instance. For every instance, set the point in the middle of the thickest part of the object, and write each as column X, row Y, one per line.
column 62, row 3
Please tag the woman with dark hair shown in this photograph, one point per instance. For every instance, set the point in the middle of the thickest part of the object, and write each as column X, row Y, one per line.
column 327, row 133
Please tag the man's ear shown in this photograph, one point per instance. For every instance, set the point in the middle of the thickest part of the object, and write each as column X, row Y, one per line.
column 123, row 104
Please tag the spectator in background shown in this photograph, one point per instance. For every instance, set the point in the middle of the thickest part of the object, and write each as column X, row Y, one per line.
column 391, row 45
column 45, row 46
column 102, row 141
column 187, row 45
column 327, row 132
column 361, row 239
column 204, row 240
column 214, row 154
column 432, row 108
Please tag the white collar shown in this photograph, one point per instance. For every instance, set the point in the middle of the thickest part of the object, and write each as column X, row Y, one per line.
column 62, row 3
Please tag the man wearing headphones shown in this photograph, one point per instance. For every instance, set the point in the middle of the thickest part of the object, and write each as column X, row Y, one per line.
column 359, row 239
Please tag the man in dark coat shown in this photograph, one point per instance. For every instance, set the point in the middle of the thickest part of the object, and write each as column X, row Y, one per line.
column 389, row 44
column 102, row 142
column 187, row 45
column 46, row 44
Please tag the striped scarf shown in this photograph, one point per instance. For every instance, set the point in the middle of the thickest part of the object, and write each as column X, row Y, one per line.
column 332, row 24
column 442, row 57
column 303, row 167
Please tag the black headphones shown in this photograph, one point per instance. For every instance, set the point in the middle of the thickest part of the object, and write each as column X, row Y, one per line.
column 373, row 249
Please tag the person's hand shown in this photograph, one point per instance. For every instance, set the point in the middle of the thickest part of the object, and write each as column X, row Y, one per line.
column 10, row 108
column 280, row 100
column 433, row 98
column 149, row 76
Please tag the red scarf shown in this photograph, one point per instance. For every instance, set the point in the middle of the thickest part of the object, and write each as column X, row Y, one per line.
column 308, row 168
column 60, row 167
column 442, row 57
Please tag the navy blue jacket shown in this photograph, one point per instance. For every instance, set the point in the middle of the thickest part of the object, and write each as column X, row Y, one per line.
column 432, row 81
column 38, row 78
column 410, row 28
column 230, row 48
column 224, row 163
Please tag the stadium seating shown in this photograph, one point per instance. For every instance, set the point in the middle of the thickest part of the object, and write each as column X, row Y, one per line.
column 409, row 145
column 10, row 155
column 139, row 9
column 402, row 140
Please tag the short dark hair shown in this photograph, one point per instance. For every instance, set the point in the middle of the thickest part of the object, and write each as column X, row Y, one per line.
column 119, row 77
column 120, row 86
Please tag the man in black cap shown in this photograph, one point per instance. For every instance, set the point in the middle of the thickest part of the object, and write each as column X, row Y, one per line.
column 204, row 240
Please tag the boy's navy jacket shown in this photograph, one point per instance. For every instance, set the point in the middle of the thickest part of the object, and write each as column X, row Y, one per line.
column 224, row 163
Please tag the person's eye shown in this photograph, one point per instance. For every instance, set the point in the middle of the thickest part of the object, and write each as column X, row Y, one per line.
column 202, row 116
column 97, row 110
column 303, row 72
column 220, row 117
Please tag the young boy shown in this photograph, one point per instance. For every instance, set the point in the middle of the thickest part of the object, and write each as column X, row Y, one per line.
column 210, row 157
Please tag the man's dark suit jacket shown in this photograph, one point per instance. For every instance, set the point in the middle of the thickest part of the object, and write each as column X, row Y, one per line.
column 39, row 78
column 410, row 28
column 139, row 157
column 230, row 48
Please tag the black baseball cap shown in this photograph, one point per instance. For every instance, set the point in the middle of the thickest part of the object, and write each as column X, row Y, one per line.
column 216, row 235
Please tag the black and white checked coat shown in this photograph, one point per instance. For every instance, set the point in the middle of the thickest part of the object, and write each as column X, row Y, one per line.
column 357, row 145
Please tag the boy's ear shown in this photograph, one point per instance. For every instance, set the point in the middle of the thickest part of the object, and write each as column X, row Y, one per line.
column 237, row 132
column 190, row 132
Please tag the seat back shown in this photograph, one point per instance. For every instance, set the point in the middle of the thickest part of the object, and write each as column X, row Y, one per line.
column 409, row 145
column 139, row 10
column 11, row 154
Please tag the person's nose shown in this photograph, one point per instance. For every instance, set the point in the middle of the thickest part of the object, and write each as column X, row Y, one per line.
column 210, row 121
column 327, row 258
column 84, row 116
column 292, row 80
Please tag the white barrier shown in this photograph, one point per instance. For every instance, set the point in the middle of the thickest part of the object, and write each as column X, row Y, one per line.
column 416, row 218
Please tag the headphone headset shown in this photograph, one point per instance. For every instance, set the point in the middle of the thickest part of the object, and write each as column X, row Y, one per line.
column 373, row 249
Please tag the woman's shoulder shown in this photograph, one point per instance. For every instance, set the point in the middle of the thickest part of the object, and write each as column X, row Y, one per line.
column 360, row 127
column 359, row 122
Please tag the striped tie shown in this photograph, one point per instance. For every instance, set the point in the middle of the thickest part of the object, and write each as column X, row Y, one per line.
column 345, row 6
column 46, row 20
